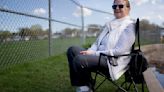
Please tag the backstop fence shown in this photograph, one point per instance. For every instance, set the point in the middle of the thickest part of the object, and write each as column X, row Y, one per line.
column 35, row 29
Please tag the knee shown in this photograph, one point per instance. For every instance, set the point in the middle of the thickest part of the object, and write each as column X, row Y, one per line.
column 80, row 61
column 72, row 50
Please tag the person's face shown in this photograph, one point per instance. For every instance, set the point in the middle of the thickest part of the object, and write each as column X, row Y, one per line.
column 120, row 9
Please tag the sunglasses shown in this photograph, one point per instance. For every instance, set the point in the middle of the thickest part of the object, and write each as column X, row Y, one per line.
column 119, row 6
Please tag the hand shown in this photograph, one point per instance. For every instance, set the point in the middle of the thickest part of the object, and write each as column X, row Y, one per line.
column 87, row 52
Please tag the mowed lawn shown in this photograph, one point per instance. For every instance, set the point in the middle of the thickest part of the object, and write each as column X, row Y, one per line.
column 25, row 51
column 50, row 74
column 47, row 75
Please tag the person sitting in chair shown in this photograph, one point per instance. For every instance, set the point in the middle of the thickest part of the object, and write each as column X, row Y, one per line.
column 116, row 38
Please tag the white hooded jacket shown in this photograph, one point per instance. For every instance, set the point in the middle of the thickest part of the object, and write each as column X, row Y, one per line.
column 120, row 40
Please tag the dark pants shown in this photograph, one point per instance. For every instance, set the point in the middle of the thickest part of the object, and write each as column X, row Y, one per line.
column 81, row 66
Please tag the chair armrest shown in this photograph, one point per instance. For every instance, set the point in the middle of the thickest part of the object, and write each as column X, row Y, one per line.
column 116, row 56
column 113, row 63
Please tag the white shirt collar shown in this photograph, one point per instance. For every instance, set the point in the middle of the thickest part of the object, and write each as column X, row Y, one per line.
column 122, row 19
column 116, row 23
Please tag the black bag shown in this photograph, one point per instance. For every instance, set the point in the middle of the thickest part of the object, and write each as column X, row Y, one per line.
column 138, row 63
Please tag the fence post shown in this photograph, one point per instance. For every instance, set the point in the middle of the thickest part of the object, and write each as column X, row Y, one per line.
column 82, row 28
column 50, row 30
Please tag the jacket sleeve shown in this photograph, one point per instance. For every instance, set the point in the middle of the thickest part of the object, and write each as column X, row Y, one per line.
column 94, row 46
column 124, row 44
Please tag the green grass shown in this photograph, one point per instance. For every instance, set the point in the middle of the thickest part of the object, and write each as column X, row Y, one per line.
column 18, row 52
column 25, row 51
column 47, row 75
column 43, row 75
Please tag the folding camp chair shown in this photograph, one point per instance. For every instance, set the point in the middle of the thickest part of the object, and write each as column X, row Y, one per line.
column 129, row 79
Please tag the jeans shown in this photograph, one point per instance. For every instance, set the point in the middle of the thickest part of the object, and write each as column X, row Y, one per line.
column 81, row 66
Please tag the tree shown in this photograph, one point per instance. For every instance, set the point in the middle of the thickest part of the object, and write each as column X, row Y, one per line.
column 67, row 31
column 4, row 35
column 145, row 25
column 36, row 30
column 24, row 32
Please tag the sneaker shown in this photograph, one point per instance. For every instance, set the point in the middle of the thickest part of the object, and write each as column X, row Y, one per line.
column 83, row 89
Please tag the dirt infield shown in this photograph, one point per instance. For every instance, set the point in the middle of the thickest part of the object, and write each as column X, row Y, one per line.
column 155, row 55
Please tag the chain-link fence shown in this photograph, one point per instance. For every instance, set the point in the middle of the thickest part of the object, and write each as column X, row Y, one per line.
column 35, row 29
column 23, row 32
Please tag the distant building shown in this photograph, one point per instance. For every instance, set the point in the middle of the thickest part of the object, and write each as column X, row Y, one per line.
column 19, row 38
column 16, row 38
column 42, row 37
column 93, row 31
column 56, row 35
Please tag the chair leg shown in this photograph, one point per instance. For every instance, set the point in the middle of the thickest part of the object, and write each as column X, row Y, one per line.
column 132, row 82
column 136, row 90
column 142, row 87
column 119, row 87
column 94, row 82
column 127, row 85
column 124, row 83
column 100, row 84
